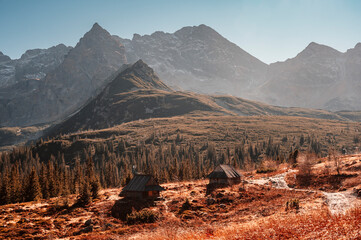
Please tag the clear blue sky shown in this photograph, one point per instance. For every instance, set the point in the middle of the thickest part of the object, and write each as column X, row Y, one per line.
column 269, row 30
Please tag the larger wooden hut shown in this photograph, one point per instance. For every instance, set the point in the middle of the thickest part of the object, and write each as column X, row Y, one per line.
column 142, row 186
column 224, row 175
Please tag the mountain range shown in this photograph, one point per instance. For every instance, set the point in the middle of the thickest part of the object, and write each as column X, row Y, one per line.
column 49, row 85
column 138, row 93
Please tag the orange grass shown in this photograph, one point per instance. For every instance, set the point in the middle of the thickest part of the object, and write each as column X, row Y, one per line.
column 319, row 224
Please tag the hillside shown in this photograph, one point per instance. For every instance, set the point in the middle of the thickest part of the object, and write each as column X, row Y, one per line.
column 273, row 136
column 138, row 93
column 48, row 85
column 256, row 209
column 197, row 59
column 81, row 75
column 318, row 77
column 34, row 64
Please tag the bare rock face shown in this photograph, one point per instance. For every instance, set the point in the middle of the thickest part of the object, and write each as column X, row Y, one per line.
column 80, row 76
column 4, row 58
column 198, row 59
column 318, row 77
column 33, row 65
column 36, row 63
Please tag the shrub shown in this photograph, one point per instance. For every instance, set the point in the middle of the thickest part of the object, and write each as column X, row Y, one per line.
column 185, row 206
column 143, row 216
column 293, row 204
column 267, row 166
column 305, row 175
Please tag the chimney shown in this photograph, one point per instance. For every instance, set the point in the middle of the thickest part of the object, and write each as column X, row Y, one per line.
column 134, row 171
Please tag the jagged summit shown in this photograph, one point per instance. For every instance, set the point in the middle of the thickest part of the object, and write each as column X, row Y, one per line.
column 316, row 49
column 96, row 35
column 358, row 45
column 4, row 58
column 199, row 31
column 137, row 76
column 197, row 58
column 97, row 28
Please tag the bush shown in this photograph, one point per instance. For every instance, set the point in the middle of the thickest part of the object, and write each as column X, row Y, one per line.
column 143, row 216
column 185, row 206
column 305, row 174
column 267, row 166
column 293, row 204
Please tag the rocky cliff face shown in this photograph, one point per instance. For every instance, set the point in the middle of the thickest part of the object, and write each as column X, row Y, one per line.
column 48, row 85
column 137, row 93
column 80, row 76
column 318, row 77
column 198, row 59
column 33, row 65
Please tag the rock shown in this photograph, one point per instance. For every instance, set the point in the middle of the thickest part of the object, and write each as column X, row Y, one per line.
column 193, row 193
column 222, row 205
column 219, row 195
column 84, row 230
column 210, row 201
column 108, row 225
column 78, row 75
column 88, row 222
column 23, row 220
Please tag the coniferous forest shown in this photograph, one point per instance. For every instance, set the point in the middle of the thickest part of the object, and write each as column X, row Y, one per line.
column 50, row 169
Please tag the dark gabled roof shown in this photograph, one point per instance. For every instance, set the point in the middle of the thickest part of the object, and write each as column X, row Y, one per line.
column 139, row 184
column 154, row 188
column 224, row 171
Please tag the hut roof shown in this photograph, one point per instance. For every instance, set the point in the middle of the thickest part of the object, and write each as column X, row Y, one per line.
column 224, row 171
column 139, row 184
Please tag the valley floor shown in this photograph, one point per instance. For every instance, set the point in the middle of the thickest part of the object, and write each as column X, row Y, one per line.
column 253, row 210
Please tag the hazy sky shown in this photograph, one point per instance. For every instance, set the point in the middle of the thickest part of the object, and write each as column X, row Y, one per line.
column 269, row 30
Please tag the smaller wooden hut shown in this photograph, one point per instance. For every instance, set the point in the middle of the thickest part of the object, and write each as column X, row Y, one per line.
column 224, row 175
column 142, row 186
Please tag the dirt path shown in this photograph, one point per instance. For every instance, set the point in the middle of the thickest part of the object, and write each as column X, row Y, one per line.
column 277, row 181
column 337, row 202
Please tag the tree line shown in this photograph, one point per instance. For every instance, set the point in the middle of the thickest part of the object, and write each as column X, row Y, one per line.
column 51, row 168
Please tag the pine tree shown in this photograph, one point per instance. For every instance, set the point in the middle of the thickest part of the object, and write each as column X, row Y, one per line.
column 15, row 185
column 5, row 196
column 95, row 187
column 85, row 195
column 33, row 189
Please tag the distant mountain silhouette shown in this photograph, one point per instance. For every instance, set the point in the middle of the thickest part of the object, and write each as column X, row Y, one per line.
column 137, row 93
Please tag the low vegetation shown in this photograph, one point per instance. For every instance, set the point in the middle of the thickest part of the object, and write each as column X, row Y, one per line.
column 174, row 149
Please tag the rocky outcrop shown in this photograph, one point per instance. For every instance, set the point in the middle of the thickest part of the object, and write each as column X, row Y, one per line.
column 198, row 59
column 80, row 76
column 33, row 65
column 318, row 77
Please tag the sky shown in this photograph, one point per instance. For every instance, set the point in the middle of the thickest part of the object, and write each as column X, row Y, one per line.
column 271, row 30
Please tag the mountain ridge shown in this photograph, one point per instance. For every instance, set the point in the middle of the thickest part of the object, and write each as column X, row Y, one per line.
column 137, row 93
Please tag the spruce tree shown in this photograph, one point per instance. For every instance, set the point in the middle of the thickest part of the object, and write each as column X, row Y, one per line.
column 85, row 195
column 95, row 187
column 5, row 196
column 33, row 189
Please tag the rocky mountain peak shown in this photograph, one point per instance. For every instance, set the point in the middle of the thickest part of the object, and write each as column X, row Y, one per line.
column 96, row 35
column 4, row 58
column 202, row 31
column 142, row 67
column 139, row 75
column 97, row 28
column 318, row 50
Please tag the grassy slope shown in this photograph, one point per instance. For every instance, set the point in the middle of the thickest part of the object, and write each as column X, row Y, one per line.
column 240, row 212
column 224, row 131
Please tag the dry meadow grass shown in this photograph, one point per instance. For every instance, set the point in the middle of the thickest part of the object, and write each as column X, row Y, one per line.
column 244, row 211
